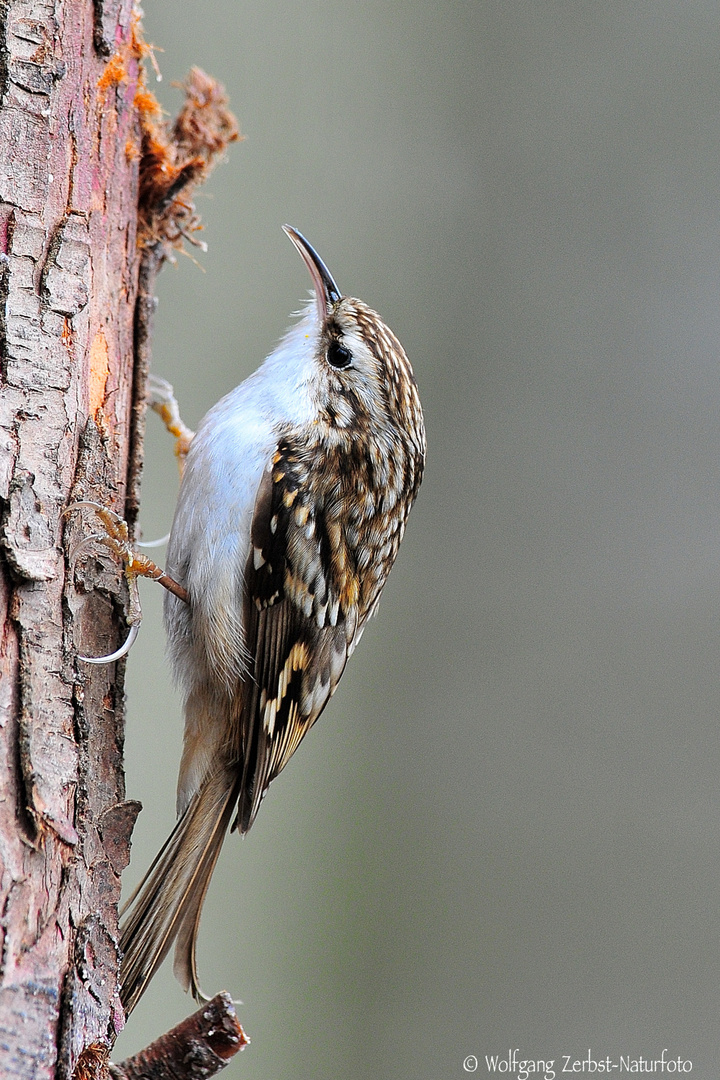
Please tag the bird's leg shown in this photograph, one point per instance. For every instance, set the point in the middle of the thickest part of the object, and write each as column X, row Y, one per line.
column 162, row 400
column 116, row 537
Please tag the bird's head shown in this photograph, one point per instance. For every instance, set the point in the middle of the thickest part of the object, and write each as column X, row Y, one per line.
column 360, row 377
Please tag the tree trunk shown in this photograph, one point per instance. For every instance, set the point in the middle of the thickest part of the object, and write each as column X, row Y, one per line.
column 73, row 355
column 69, row 153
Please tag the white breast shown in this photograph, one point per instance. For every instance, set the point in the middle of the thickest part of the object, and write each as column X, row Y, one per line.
column 210, row 538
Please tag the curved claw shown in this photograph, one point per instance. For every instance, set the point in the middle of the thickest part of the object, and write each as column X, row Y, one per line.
column 154, row 543
column 116, row 540
column 88, row 504
column 81, row 548
column 159, row 391
column 119, row 653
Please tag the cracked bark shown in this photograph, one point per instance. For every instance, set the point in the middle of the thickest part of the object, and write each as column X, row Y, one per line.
column 86, row 166
column 70, row 145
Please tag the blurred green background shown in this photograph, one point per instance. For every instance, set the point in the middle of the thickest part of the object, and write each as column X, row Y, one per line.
column 505, row 830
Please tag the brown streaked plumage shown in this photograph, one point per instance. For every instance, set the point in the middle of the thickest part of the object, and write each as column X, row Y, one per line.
column 293, row 505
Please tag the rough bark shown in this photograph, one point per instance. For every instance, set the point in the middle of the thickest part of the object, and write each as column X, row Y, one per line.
column 74, row 129
column 69, row 152
column 197, row 1048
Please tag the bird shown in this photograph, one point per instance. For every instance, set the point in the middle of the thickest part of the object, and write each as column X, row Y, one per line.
column 292, row 506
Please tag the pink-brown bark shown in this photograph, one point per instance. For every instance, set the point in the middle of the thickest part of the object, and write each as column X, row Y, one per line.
column 94, row 190
column 69, row 153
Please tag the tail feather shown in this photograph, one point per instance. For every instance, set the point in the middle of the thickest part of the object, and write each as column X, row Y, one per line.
column 166, row 905
column 184, row 963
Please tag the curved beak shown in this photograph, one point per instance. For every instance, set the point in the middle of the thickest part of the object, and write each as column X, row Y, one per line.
column 326, row 291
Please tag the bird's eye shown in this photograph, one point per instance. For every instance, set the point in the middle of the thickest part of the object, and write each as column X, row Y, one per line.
column 338, row 356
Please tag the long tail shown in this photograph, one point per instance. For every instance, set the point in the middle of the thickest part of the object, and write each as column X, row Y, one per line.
column 166, row 905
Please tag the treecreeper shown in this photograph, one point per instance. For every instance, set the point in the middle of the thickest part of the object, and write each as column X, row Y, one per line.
column 293, row 502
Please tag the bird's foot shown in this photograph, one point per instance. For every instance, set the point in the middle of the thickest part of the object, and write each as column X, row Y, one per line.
column 162, row 400
column 116, row 537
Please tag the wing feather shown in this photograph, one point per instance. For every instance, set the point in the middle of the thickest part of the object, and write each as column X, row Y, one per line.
column 298, row 655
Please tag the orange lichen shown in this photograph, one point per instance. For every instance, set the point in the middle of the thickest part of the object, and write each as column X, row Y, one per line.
column 139, row 46
column 99, row 368
column 147, row 104
column 115, row 72
column 67, row 335
column 174, row 160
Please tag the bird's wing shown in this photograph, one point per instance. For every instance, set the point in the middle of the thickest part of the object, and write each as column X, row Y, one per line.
column 299, row 632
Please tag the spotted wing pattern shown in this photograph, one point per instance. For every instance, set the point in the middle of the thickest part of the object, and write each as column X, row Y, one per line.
column 298, row 631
